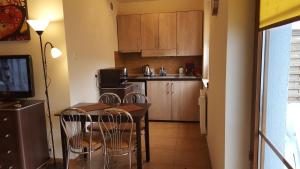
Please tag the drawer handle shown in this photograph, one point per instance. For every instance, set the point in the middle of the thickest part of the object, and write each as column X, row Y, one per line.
column 10, row 167
column 168, row 88
column 7, row 135
column 5, row 119
column 172, row 88
column 9, row 152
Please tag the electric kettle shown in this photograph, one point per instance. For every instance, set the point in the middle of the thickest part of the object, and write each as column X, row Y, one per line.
column 146, row 70
column 124, row 72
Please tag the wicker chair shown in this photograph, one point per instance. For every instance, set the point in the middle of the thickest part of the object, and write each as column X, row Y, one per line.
column 115, row 140
column 109, row 98
column 79, row 141
column 136, row 97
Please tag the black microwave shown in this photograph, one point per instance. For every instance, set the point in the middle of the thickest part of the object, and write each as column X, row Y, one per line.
column 110, row 77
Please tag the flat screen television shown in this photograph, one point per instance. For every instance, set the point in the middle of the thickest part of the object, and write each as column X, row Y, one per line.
column 16, row 77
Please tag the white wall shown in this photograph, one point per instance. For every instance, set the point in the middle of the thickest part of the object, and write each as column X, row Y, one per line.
column 230, row 74
column 57, row 68
column 216, row 91
column 206, row 38
column 239, row 83
column 91, row 37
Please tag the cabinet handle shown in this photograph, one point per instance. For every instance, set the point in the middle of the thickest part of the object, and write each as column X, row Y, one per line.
column 9, row 152
column 5, row 119
column 10, row 167
column 172, row 88
column 7, row 135
column 168, row 88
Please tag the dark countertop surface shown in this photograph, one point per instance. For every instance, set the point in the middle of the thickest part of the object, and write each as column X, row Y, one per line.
column 174, row 77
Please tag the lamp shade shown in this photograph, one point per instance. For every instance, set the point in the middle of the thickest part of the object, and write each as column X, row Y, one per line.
column 55, row 52
column 38, row 25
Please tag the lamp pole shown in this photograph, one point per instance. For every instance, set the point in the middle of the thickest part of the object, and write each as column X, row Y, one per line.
column 39, row 26
column 46, row 90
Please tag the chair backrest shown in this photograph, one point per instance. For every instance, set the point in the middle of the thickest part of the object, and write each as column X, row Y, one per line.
column 116, row 126
column 72, row 120
column 135, row 97
column 109, row 98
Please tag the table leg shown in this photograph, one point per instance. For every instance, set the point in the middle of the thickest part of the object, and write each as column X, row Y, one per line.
column 138, row 145
column 147, row 142
column 82, row 121
column 64, row 146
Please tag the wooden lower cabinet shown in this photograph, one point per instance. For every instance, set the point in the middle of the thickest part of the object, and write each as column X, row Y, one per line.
column 185, row 100
column 159, row 94
column 174, row 100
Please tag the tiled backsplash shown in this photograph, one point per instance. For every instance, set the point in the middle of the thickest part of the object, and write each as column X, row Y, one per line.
column 134, row 62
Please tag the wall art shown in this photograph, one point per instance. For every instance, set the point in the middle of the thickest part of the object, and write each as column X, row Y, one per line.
column 13, row 16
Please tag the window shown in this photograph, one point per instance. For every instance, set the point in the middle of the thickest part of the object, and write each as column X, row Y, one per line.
column 279, row 130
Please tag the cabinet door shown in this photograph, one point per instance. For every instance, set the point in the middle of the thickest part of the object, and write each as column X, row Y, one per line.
column 167, row 31
column 185, row 96
column 158, row 34
column 129, row 33
column 160, row 97
column 189, row 33
column 149, row 29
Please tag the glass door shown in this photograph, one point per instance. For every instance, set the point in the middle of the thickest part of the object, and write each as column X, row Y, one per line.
column 279, row 130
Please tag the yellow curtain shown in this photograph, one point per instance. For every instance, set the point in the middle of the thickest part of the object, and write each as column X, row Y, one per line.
column 274, row 11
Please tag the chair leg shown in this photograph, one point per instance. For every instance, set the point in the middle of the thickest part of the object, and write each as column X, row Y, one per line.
column 105, row 161
column 68, row 156
column 104, row 157
column 129, row 156
column 90, row 159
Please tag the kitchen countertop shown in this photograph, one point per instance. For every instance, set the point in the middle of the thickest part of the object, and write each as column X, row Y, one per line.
column 174, row 77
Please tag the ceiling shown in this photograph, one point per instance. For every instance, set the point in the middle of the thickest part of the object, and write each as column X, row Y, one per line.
column 124, row 1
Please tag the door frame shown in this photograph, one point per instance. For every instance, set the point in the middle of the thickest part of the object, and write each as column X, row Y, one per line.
column 256, row 91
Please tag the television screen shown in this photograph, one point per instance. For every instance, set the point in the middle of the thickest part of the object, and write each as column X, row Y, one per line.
column 16, row 76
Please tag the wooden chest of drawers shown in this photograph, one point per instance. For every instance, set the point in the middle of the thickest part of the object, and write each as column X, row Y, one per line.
column 23, row 135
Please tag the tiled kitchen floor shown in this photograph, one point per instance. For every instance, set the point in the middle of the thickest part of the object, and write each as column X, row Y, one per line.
column 172, row 146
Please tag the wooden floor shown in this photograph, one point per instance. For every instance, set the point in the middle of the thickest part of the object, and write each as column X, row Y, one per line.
column 172, row 146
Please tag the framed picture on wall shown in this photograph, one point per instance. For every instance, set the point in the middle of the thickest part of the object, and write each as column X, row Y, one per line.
column 13, row 16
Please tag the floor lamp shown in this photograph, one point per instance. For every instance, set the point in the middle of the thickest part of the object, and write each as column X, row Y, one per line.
column 39, row 26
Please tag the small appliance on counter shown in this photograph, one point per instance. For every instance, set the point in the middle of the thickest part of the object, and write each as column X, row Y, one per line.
column 189, row 68
column 162, row 71
column 146, row 70
column 124, row 72
column 110, row 80
column 152, row 71
column 181, row 71
column 110, row 77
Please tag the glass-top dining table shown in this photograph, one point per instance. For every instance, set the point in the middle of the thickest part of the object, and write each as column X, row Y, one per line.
column 138, row 112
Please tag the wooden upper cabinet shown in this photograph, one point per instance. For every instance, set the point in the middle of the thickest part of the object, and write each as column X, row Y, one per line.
column 129, row 33
column 162, row 34
column 149, row 31
column 158, row 34
column 167, row 31
column 189, row 33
